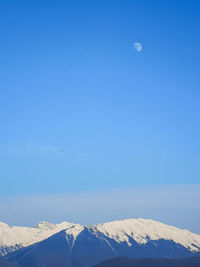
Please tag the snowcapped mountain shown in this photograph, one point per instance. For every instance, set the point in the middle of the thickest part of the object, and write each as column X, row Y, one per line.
column 143, row 230
column 82, row 246
column 13, row 238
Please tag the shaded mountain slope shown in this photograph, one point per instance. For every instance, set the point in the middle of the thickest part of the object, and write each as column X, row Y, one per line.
column 4, row 263
column 84, row 246
column 127, row 262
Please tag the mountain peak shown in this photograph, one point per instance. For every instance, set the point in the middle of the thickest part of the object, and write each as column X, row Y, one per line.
column 87, row 245
column 48, row 225
column 126, row 231
column 45, row 224
column 141, row 230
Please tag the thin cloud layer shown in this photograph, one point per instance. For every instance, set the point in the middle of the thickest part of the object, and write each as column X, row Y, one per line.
column 175, row 205
column 33, row 149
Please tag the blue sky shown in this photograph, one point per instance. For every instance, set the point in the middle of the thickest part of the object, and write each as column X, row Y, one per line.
column 82, row 110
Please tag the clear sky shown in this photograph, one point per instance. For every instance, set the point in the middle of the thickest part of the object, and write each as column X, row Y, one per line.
column 83, row 111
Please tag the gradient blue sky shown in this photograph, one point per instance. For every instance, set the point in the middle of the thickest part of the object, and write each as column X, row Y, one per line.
column 82, row 110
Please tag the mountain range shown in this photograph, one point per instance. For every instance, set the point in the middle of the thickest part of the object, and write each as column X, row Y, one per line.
column 73, row 245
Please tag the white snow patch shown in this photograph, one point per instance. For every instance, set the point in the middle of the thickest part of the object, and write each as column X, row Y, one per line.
column 141, row 230
column 24, row 236
column 72, row 233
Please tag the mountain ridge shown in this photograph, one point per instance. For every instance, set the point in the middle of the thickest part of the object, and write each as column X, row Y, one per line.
column 13, row 238
column 84, row 246
column 140, row 230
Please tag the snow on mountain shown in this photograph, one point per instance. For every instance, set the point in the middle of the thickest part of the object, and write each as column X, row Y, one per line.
column 143, row 230
column 72, row 233
column 13, row 238
column 128, row 231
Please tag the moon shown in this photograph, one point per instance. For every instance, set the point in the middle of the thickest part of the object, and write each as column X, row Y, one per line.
column 138, row 46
